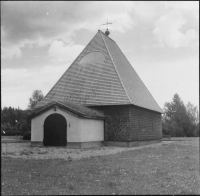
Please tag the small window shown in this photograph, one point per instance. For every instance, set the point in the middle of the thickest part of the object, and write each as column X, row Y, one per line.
column 93, row 57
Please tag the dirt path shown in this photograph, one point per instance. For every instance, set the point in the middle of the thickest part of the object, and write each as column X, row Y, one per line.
column 25, row 151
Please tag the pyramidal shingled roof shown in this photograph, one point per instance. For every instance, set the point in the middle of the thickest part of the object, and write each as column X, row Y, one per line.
column 109, row 82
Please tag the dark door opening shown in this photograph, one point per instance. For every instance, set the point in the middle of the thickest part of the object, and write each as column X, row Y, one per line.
column 55, row 130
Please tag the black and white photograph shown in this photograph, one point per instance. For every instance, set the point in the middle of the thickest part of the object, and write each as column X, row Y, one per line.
column 100, row 98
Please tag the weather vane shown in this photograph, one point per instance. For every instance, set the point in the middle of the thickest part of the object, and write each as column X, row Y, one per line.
column 107, row 32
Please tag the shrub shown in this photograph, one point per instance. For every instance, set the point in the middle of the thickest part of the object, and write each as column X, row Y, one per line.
column 10, row 133
column 7, row 127
column 27, row 135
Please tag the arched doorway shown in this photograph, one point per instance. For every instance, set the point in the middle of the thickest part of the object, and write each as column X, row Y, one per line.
column 55, row 130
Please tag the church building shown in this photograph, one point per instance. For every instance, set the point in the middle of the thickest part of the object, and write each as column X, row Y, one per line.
column 99, row 101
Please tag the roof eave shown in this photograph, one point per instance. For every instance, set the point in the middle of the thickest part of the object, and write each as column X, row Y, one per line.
column 65, row 108
column 153, row 110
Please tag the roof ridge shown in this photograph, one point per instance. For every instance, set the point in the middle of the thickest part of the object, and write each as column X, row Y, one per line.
column 67, row 69
column 138, row 76
column 128, row 87
column 116, row 68
column 107, row 36
column 69, row 107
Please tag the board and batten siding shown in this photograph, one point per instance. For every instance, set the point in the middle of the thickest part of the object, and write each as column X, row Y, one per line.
column 78, row 129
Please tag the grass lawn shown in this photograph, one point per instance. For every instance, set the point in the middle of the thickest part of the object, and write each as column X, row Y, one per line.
column 171, row 168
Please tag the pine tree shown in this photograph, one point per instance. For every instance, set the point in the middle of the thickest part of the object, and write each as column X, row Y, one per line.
column 176, row 116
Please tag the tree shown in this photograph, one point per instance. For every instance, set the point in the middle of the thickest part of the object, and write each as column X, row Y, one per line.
column 180, row 120
column 37, row 96
column 176, row 116
column 193, row 119
column 15, row 120
column 172, row 128
column 193, row 113
column 196, row 131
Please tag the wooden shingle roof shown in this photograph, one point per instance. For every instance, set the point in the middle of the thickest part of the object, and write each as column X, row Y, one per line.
column 76, row 109
column 111, row 82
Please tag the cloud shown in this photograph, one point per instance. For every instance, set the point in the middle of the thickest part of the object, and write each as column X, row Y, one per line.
column 148, row 10
column 183, row 6
column 28, row 22
column 168, row 31
column 18, row 84
column 116, row 12
column 178, row 76
column 10, row 52
column 37, row 24
column 25, row 78
column 175, row 24
column 121, row 22
column 61, row 52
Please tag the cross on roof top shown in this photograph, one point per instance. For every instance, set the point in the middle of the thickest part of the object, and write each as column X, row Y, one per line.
column 107, row 24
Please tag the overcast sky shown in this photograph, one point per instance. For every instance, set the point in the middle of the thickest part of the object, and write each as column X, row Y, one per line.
column 39, row 41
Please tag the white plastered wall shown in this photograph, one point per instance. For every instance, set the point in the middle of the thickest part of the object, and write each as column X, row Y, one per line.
column 73, row 131
column 91, row 130
column 78, row 129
